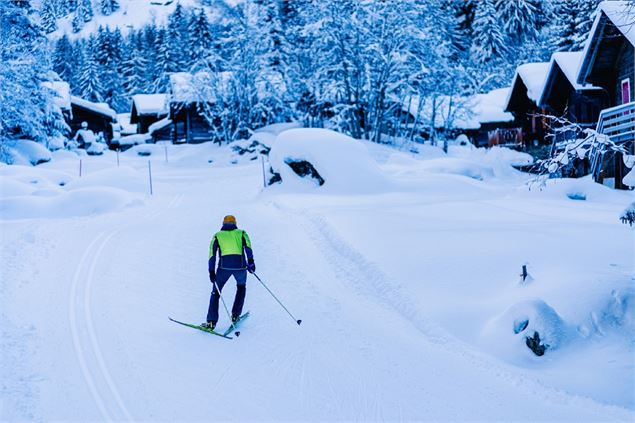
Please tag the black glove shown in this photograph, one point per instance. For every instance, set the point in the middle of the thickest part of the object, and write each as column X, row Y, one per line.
column 212, row 277
column 251, row 267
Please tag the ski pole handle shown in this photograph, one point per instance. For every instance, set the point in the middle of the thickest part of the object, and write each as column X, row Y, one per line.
column 298, row 321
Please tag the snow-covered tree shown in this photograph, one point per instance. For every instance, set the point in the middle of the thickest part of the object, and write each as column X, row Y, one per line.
column 27, row 109
column 489, row 41
column 90, row 85
column 519, row 18
column 85, row 10
column 108, row 6
column 49, row 17
column 201, row 38
column 63, row 62
column 586, row 12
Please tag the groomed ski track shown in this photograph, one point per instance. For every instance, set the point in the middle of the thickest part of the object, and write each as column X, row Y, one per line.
column 364, row 352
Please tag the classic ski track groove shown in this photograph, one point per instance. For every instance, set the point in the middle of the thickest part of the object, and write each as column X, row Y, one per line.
column 92, row 255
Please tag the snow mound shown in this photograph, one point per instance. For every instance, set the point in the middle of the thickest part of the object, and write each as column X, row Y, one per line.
column 456, row 166
column 27, row 152
column 527, row 328
column 343, row 163
column 576, row 189
column 80, row 202
column 123, row 178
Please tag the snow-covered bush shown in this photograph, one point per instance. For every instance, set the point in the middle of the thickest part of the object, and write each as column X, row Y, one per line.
column 628, row 215
column 530, row 325
column 29, row 152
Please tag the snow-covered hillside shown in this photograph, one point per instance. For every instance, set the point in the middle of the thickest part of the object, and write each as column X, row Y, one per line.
column 410, row 294
column 135, row 14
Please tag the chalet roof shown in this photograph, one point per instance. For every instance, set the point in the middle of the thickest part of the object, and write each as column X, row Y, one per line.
column 99, row 108
column 150, row 104
column 613, row 16
column 62, row 91
column 158, row 125
column 199, row 87
column 567, row 62
column 532, row 76
column 467, row 112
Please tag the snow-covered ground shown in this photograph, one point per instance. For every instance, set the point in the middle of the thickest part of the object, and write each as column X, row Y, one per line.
column 409, row 292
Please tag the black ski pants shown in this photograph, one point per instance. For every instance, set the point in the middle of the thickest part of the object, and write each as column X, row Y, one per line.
column 222, row 276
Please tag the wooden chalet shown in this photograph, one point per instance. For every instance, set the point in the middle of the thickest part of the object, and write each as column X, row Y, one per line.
column 608, row 62
column 147, row 109
column 191, row 104
column 101, row 119
column 523, row 103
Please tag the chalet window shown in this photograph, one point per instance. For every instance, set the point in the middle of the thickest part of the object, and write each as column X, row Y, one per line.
column 626, row 90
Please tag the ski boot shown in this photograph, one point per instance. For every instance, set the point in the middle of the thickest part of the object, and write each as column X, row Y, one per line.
column 209, row 325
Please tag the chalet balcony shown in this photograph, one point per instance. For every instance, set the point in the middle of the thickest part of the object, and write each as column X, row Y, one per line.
column 618, row 122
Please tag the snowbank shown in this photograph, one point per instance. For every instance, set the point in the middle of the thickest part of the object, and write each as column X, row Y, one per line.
column 80, row 202
column 344, row 163
column 29, row 152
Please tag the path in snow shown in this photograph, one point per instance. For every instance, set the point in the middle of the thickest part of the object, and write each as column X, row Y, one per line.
column 95, row 293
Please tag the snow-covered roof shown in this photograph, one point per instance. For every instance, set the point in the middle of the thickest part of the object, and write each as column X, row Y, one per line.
column 533, row 76
column 101, row 108
column 150, row 104
column 158, row 125
column 467, row 112
column 202, row 86
column 63, row 91
column 490, row 107
column 127, row 128
column 569, row 64
column 622, row 15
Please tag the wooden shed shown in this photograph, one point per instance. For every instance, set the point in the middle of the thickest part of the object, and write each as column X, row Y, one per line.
column 101, row 119
column 148, row 109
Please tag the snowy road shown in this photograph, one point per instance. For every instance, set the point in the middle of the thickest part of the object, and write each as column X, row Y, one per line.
column 85, row 334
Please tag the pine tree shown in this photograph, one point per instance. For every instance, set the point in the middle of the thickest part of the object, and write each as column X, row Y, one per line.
column 49, row 18
column 201, row 39
column 63, row 59
column 85, row 10
column 90, row 78
column 519, row 18
column 176, row 36
column 489, row 42
column 564, row 31
column 134, row 66
column 77, row 22
column 587, row 11
column 109, row 6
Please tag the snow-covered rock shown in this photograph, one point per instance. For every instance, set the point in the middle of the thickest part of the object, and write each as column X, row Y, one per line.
column 341, row 161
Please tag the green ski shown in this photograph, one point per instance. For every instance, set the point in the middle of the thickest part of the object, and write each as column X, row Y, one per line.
column 234, row 326
column 199, row 327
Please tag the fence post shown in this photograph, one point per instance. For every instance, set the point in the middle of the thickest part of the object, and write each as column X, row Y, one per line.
column 165, row 144
column 150, row 175
column 117, row 156
column 80, row 168
column 264, row 179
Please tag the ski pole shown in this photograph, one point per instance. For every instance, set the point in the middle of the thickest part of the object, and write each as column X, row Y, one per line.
column 298, row 321
column 224, row 305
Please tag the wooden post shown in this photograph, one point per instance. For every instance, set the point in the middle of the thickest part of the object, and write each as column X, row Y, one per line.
column 80, row 168
column 150, row 175
column 117, row 156
column 524, row 274
column 166, row 151
column 264, row 178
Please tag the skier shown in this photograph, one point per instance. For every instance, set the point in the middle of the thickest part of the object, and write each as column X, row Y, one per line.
column 232, row 244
